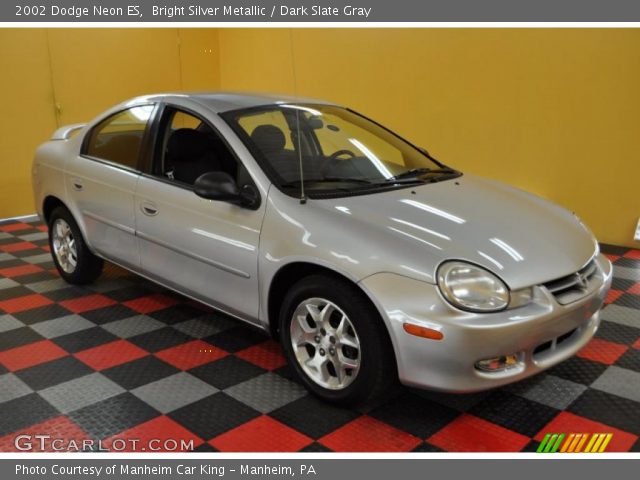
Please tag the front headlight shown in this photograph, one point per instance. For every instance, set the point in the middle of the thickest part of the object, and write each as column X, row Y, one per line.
column 472, row 288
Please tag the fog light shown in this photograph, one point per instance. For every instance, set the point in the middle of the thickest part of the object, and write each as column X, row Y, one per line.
column 497, row 364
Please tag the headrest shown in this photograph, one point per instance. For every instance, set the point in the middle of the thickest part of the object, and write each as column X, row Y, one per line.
column 187, row 145
column 268, row 138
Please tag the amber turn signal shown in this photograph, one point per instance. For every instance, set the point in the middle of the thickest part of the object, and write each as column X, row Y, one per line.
column 423, row 332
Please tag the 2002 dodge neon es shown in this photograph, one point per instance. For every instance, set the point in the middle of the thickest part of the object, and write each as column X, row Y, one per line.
column 370, row 260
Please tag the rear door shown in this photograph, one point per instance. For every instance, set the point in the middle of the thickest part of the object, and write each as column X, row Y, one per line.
column 102, row 180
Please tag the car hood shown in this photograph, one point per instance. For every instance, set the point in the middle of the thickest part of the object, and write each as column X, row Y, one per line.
column 522, row 238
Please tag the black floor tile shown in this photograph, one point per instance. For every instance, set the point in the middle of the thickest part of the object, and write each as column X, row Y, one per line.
column 213, row 415
column 313, row 417
column 23, row 412
column 84, row 339
column 18, row 337
column 608, row 409
column 226, row 372
column 236, row 339
column 140, row 372
column 114, row 415
column 413, row 414
column 514, row 412
column 100, row 316
column 52, row 373
column 160, row 339
column 41, row 314
column 578, row 370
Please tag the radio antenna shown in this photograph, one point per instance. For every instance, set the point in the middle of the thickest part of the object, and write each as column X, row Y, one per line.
column 303, row 198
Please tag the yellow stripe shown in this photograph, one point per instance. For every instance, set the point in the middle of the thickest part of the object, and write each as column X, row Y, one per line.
column 567, row 442
column 590, row 444
column 582, row 440
column 574, row 443
column 596, row 445
column 606, row 442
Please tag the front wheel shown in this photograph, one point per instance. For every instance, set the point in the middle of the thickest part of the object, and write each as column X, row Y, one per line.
column 336, row 342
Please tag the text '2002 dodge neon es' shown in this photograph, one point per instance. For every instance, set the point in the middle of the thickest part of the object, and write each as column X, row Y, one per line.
column 370, row 260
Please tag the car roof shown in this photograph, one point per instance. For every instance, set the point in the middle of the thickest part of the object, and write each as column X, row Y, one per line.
column 226, row 101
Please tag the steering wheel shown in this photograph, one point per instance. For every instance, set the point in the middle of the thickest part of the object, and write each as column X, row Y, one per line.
column 334, row 157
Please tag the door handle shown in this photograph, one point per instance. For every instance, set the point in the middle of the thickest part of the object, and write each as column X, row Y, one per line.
column 149, row 209
column 76, row 183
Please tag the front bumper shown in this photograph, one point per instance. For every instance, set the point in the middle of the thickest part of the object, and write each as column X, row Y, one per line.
column 538, row 333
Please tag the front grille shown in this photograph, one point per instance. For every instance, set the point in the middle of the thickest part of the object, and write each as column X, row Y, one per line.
column 572, row 287
column 553, row 344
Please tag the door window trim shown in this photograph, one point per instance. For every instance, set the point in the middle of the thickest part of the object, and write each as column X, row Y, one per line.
column 154, row 149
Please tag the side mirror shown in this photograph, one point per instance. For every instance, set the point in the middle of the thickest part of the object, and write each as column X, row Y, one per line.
column 222, row 187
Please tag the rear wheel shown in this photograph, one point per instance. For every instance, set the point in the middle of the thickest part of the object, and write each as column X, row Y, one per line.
column 335, row 341
column 75, row 263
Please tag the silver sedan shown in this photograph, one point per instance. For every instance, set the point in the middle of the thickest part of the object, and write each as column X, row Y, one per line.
column 370, row 260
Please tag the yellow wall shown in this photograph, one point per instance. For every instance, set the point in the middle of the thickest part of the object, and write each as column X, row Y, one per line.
column 56, row 77
column 554, row 111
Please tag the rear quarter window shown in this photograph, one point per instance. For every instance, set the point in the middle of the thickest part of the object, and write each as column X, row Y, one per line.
column 118, row 138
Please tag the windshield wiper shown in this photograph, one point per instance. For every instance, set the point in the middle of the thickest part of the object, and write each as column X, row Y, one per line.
column 295, row 183
column 416, row 174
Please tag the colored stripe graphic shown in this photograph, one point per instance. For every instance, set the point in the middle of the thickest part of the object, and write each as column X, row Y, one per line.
column 574, row 443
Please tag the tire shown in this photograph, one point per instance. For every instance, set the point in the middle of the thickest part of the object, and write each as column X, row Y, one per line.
column 375, row 372
column 71, row 249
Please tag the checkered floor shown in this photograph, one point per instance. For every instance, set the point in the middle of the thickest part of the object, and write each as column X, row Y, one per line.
column 124, row 358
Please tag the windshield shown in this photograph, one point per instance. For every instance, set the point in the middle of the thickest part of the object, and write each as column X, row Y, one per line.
column 339, row 151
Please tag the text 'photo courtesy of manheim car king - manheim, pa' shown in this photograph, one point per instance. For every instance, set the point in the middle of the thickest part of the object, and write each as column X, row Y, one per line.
column 367, row 258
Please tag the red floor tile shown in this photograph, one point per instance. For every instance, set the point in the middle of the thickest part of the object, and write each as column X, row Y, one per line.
column 12, row 272
column 612, row 258
column 110, row 354
column 30, row 355
column 191, row 354
column 151, row 303
column 613, row 295
column 158, row 435
column 26, row 302
column 366, row 434
column 637, row 344
column 635, row 254
column 267, row 355
column 635, row 289
column 61, row 428
column 90, row 302
column 263, row 434
column 42, row 228
column 17, row 247
column 602, row 351
column 567, row 423
column 14, row 227
column 472, row 434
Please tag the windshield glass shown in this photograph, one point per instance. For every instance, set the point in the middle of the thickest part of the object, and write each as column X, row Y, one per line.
column 338, row 149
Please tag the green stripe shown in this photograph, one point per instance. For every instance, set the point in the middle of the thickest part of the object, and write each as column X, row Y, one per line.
column 550, row 443
column 558, row 442
column 543, row 443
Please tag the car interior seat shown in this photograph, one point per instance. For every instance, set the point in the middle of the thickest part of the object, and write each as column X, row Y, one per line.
column 191, row 154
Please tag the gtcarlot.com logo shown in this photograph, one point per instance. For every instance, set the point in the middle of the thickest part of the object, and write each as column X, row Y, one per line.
column 574, row 443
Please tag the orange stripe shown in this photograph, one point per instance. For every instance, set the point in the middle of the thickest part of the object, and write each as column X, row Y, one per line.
column 582, row 440
column 567, row 442
column 574, row 443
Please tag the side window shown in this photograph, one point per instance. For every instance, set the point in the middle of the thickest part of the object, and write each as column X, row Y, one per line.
column 118, row 138
column 189, row 147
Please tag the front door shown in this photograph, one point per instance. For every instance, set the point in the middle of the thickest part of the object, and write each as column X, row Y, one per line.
column 206, row 249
